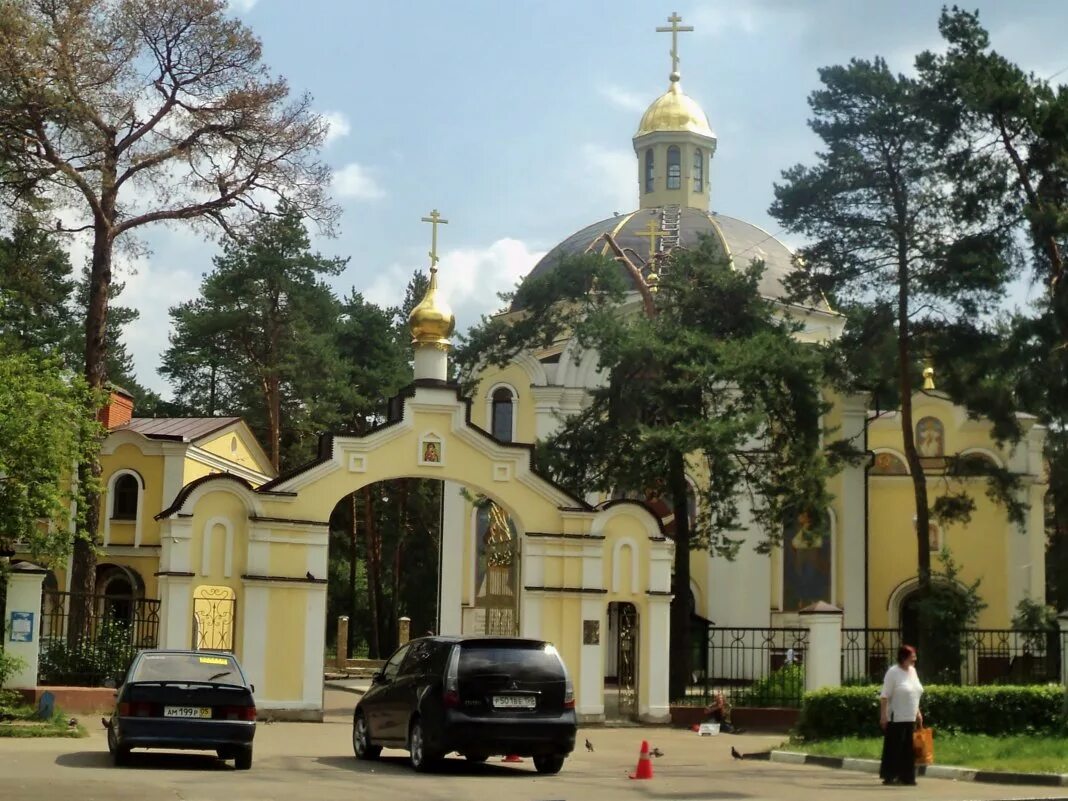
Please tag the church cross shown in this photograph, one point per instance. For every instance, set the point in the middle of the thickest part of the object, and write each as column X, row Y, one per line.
column 675, row 29
column 434, row 219
column 652, row 233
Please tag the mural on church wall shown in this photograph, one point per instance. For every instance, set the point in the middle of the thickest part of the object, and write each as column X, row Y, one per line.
column 496, row 572
column 663, row 507
column 930, row 438
column 888, row 464
column 806, row 565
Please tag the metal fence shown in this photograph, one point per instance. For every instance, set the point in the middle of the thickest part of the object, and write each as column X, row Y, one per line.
column 114, row 629
column 752, row 667
column 967, row 657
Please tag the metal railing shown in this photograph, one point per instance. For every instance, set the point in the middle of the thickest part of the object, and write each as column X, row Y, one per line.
column 966, row 657
column 114, row 629
column 751, row 667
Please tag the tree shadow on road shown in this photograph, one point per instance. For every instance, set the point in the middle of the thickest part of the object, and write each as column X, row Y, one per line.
column 144, row 760
column 398, row 765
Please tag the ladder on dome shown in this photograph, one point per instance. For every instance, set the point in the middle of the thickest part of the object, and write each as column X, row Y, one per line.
column 670, row 218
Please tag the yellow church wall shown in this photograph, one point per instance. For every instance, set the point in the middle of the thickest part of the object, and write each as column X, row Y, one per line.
column 524, row 411
column 233, row 445
column 150, row 468
column 192, row 470
column 285, row 635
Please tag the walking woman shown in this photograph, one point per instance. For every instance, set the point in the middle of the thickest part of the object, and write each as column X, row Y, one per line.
column 899, row 714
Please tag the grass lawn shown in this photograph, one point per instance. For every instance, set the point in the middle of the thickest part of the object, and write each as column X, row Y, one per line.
column 17, row 720
column 1024, row 754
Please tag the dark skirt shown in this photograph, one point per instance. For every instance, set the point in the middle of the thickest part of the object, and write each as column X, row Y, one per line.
column 899, row 762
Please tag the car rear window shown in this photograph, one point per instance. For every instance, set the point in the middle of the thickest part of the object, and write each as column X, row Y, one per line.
column 213, row 668
column 529, row 663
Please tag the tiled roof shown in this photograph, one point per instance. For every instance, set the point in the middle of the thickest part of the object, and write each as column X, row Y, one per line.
column 183, row 429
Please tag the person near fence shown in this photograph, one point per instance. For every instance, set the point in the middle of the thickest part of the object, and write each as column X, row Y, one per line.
column 899, row 714
column 719, row 712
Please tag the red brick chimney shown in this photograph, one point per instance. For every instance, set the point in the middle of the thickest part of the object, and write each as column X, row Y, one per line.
column 118, row 411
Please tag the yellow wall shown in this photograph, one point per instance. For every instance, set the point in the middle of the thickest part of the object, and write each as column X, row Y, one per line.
column 236, row 445
column 525, row 414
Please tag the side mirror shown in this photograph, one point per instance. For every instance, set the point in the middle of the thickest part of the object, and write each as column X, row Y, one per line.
column 379, row 677
column 252, row 688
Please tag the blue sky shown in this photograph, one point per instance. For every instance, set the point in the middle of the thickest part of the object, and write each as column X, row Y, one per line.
column 514, row 119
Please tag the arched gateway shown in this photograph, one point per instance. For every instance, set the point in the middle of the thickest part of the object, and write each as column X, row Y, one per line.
column 269, row 546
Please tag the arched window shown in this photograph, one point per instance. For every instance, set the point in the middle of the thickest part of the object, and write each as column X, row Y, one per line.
column 124, row 506
column 698, row 171
column 649, row 170
column 674, row 168
column 503, row 414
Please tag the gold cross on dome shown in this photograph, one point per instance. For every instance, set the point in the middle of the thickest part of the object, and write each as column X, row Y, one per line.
column 675, row 29
column 652, row 233
column 434, row 219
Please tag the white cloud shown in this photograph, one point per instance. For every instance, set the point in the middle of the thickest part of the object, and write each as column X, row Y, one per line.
column 613, row 175
column 623, row 98
column 242, row 6
column 755, row 16
column 356, row 182
column 469, row 278
column 339, row 126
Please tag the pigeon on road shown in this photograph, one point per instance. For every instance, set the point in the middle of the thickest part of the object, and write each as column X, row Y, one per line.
column 656, row 752
column 589, row 745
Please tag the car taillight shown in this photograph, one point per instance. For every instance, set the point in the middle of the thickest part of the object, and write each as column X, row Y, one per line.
column 451, row 697
column 135, row 710
column 235, row 713
column 569, row 693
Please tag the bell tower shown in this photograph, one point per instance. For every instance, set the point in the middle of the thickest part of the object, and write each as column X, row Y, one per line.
column 674, row 143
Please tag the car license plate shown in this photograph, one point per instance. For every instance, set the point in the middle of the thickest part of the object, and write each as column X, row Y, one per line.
column 513, row 702
column 187, row 711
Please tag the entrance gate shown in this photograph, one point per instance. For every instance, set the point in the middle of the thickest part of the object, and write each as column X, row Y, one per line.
column 214, row 616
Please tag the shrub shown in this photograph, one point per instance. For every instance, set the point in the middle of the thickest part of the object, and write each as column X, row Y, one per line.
column 994, row 710
column 87, row 660
column 783, row 687
column 9, row 665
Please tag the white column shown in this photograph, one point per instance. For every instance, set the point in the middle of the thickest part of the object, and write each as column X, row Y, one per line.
column 589, row 684
column 655, row 636
column 254, row 634
column 454, row 530
column 823, row 656
column 851, row 527
column 176, row 611
column 314, row 649
column 23, row 624
column 431, row 362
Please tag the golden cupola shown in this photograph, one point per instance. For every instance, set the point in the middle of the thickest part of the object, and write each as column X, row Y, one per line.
column 432, row 321
column 674, row 143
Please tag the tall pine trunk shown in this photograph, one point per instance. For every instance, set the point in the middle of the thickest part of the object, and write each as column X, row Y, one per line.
column 353, row 557
column 679, row 672
column 375, row 646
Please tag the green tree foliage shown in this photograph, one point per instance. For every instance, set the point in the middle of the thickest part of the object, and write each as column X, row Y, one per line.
column 35, row 290
column 261, row 339
column 899, row 236
column 704, row 377
column 44, row 431
column 139, row 112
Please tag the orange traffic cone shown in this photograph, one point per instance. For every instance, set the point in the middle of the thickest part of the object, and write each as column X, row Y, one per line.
column 512, row 758
column 645, row 764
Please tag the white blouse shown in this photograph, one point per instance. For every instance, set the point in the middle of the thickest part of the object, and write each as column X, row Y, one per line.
column 902, row 689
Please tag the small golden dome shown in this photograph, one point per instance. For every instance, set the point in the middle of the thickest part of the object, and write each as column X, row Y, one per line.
column 674, row 111
column 929, row 376
column 432, row 321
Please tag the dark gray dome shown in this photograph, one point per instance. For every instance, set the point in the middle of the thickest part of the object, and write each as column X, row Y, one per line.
column 740, row 241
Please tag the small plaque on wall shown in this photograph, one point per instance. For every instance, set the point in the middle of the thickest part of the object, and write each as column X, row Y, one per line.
column 591, row 632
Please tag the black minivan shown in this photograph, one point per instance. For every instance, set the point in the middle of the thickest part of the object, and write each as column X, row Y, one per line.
column 478, row 696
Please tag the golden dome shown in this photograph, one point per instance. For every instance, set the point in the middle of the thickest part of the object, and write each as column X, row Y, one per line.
column 674, row 111
column 432, row 321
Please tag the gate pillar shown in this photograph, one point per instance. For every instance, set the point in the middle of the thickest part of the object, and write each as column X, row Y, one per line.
column 823, row 660
column 23, row 625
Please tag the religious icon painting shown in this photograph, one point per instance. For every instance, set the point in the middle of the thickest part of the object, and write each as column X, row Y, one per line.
column 431, row 450
column 930, row 438
column 888, row 464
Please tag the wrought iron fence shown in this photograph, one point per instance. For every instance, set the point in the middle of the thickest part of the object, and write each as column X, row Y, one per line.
column 214, row 618
column 752, row 667
column 867, row 653
column 114, row 629
column 966, row 657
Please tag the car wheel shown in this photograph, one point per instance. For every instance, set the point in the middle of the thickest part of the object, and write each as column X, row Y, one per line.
column 422, row 759
column 243, row 759
column 361, row 738
column 119, row 754
column 548, row 764
column 476, row 757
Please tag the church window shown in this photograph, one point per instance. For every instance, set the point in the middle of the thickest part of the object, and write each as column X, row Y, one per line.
column 649, row 170
column 125, row 502
column 698, row 171
column 503, row 414
column 674, row 168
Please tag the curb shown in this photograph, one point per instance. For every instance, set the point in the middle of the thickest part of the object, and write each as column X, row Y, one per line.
column 930, row 771
column 343, row 688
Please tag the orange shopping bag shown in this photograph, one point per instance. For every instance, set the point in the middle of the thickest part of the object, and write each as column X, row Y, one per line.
column 923, row 746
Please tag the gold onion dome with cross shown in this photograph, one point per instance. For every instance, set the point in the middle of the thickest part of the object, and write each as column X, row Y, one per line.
column 674, row 149
column 431, row 321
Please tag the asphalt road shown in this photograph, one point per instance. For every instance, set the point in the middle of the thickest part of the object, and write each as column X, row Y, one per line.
column 298, row 761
